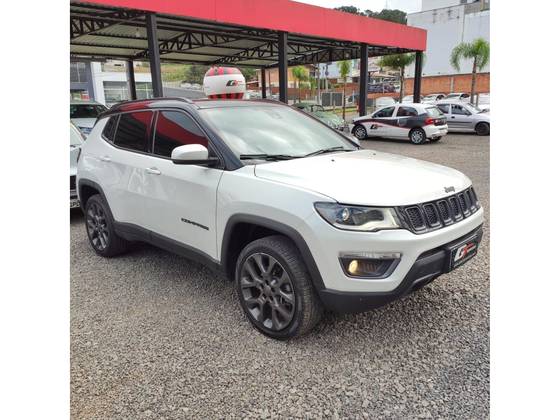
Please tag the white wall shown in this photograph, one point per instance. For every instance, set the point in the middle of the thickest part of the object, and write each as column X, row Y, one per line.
column 100, row 76
column 446, row 28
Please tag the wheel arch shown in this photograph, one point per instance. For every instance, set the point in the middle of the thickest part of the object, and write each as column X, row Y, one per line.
column 242, row 229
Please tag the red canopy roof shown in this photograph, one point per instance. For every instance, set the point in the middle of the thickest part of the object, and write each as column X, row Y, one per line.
column 286, row 15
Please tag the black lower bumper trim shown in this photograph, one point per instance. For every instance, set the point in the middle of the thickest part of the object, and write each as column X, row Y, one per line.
column 426, row 268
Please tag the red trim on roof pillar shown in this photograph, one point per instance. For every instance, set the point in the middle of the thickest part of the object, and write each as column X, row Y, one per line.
column 288, row 16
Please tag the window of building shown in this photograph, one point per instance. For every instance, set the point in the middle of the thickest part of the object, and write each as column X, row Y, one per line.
column 174, row 129
column 118, row 91
column 132, row 130
column 78, row 73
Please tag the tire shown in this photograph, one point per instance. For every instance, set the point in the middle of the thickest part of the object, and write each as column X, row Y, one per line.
column 436, row 139
column 360, row 132
column 417, row 136
column 101, row 229
column 282, row 282
column 482, row 129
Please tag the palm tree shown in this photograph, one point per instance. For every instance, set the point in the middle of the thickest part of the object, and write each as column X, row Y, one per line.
column 478, row 51
column 301, row 74
column 398, row 62
column 344, row 68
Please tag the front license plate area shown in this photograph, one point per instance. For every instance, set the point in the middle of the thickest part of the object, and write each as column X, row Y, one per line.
column 461, row 253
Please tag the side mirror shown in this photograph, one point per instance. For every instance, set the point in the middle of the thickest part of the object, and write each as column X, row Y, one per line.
column 192, row 154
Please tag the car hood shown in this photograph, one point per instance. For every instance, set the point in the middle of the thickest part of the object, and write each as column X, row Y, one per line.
column 367, row 177
column 84, row 122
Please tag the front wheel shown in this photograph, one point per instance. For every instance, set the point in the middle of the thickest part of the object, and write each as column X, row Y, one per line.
column 417, row 136
column 360, row 132
column 482, row 129
column 275, row 289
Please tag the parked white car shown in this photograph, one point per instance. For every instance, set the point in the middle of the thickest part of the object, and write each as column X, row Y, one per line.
column 410, row 99
column 297, row 215
column 464, row 117
column 458, row 96
column 84, row 114
column 76, row 141
column 383, row 102
column 415, row 122
column 484, row 102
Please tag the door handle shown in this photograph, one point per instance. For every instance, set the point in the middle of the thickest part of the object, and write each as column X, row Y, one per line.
column 153, row 171
column 105, row 158
column 452, row 117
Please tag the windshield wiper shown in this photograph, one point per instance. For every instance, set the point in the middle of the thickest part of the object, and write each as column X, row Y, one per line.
column 328, row 150
column 264, row 156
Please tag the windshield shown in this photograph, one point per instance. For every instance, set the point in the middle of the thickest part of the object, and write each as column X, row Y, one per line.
column 86, row 110
column 472, row 108
column 272, row 130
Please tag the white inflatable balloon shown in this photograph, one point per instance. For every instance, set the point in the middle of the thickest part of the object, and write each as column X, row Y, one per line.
column 224, row 83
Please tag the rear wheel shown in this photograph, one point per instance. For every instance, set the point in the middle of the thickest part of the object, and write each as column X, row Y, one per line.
column 360, row 132
column 417, row 136
column 275, row 289
column 482, row 129
column 101, row 230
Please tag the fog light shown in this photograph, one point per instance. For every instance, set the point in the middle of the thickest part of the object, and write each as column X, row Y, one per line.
column 363, row 267
column 353, row 267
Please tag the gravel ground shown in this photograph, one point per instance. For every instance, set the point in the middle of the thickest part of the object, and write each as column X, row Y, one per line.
column 154, row 335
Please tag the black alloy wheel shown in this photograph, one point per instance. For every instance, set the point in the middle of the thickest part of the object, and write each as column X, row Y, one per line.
column 275, row 288
column 100, row 229
column 268, row 291
column 97, row 228
column 482, row 129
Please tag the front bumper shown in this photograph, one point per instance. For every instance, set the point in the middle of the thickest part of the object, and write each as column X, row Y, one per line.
column 427, row 267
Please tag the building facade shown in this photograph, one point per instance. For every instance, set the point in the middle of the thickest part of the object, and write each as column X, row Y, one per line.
column 448, row 23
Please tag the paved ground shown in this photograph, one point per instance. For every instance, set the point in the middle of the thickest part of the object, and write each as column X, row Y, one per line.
column 156, row 336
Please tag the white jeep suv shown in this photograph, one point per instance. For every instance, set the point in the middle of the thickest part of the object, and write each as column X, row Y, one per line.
column 300, row 217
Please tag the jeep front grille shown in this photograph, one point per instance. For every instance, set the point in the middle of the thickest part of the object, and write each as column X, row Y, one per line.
column 425, row 217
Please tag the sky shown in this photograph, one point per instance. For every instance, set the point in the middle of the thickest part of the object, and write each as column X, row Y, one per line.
column 408, row 6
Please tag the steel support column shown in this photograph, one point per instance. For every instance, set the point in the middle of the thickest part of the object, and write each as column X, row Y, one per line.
column 131, row 79
column 417, row 76
column 362, row 102
column 153, row 53
column 283, row 65
column 263, row 83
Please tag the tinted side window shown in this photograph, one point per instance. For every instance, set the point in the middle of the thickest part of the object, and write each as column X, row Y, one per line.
column 444, row 108
column 384, row 113
column 406, row 111
column 132, row 130
column 175, row 129
column 110, row 127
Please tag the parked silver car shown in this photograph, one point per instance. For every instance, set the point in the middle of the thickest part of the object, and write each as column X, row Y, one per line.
column 464, row 117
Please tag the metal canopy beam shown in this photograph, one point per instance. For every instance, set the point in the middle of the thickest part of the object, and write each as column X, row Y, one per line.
column 85, row 25
column 131, row 79
column 417, row 76
column 283, row 66
column 362, row 101
column 153, row 51
column 263, row 83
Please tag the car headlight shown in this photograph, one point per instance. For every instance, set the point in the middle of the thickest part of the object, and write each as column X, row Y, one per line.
column 365, row 219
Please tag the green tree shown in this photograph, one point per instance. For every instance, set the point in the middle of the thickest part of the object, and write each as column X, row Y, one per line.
column 344, row 68
column 300, row 74
column 478, row 51
column 249, row 73
column 195, row 73
column 392, row 15
column 398, row 62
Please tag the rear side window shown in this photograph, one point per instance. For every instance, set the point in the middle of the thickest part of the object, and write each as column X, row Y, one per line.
column 174, row 129
column 110, row 128
column 406, row 111
column 132, row 131
column 459, row 110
